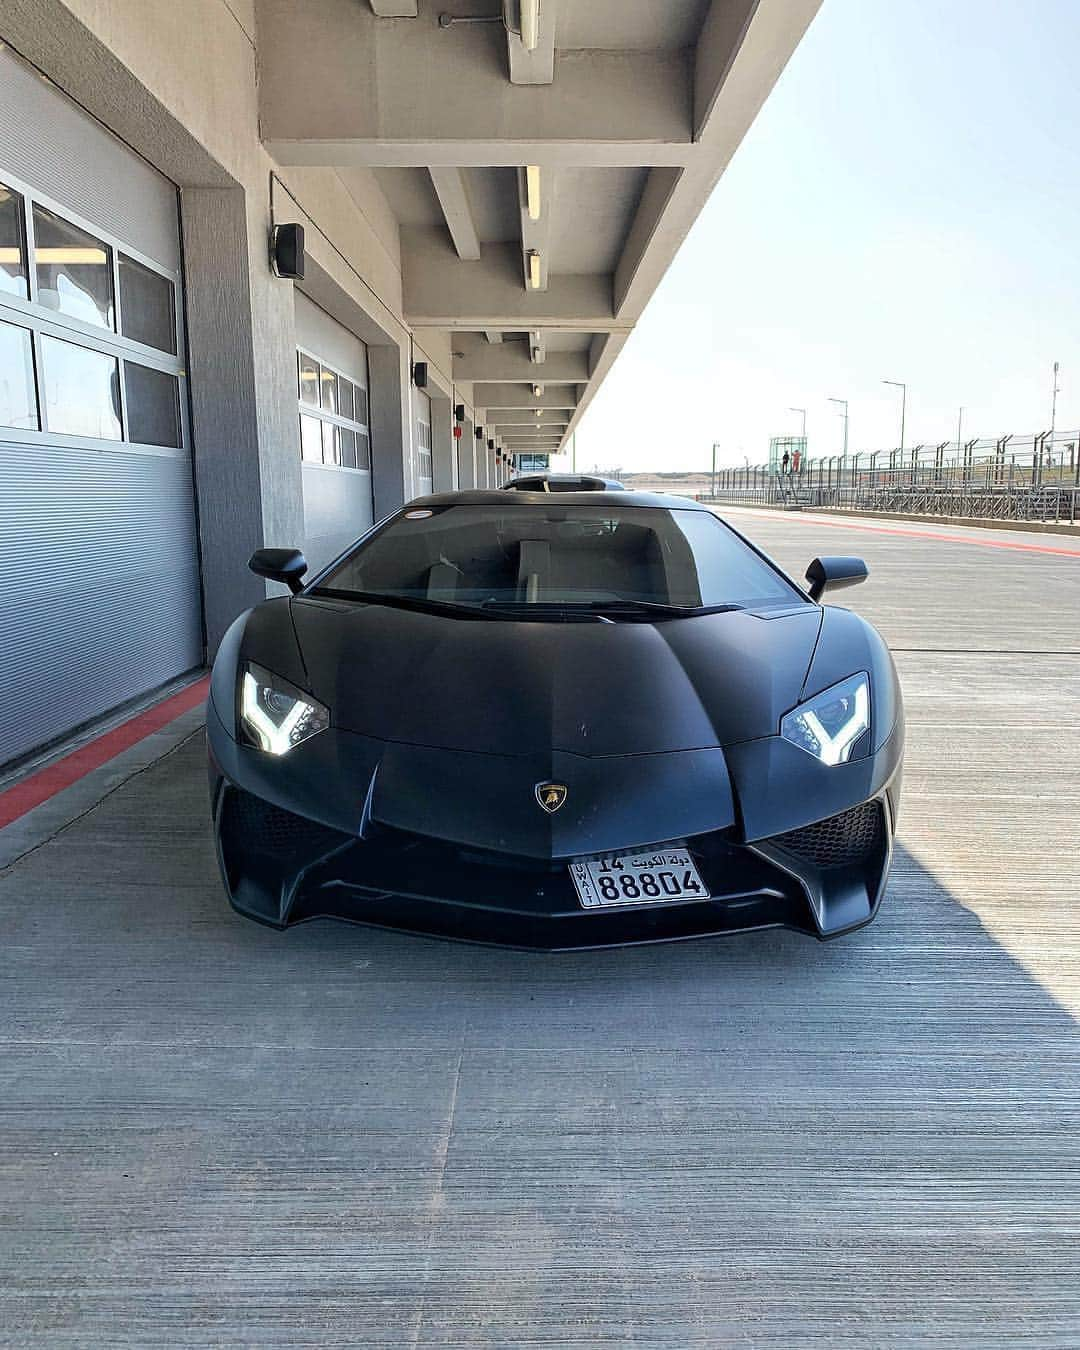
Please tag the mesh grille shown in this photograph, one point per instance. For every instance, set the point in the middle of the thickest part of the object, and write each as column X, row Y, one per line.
column 272, row 831
column 838, row 841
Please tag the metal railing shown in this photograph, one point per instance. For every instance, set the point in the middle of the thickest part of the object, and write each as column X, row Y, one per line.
column 1029, row 478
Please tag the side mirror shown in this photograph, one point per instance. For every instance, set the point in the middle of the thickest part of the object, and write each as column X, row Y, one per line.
column 286, row 565
column 828, row 574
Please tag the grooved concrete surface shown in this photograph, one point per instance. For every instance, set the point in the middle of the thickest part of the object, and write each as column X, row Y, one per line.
column 216, row 1135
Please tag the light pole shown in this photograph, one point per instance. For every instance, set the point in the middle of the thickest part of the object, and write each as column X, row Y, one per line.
column 713, row 491
column 959, row 426
column 803, row 412
column 843, row 402
column 1056, row 389
column 899, row 384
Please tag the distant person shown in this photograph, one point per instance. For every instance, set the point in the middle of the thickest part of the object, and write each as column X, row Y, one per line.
column 784, row 463
column 796, row 462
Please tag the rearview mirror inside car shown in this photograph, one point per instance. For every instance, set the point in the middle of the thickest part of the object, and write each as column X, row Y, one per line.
column 827, row 574
column 286, row 565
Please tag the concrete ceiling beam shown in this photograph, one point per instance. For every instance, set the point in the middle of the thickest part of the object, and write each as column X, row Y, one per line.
column 441, row 291
column 528, row 421
column 453, row 194
column 479, row 154
column 495, row 397
column 393, row 93
column 535, row 66
column 512, row 362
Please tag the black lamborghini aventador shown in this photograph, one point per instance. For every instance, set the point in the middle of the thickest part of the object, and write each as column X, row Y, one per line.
column 554, row 722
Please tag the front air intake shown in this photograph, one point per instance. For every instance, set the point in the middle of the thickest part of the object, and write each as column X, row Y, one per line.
column 838, row 841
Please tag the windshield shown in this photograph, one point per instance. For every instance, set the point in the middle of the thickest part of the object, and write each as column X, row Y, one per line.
column 566, row 557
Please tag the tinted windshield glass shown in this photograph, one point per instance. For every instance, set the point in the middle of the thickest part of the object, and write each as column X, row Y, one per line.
column 560, row 555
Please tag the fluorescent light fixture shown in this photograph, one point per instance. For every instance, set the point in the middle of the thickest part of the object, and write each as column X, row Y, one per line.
column 538, row 389
column 10, row 255
column 530, row 24
column 534, row 269
column 532, row 190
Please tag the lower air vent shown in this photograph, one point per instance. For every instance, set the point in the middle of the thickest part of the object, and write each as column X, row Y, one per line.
column 268, row 829
column 838, row 841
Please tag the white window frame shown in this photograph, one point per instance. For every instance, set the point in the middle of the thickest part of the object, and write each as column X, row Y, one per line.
column 335, row 419
column 42, row 321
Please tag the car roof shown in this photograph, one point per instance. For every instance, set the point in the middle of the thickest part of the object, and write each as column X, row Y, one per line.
column 522, row 500
column 609, row 483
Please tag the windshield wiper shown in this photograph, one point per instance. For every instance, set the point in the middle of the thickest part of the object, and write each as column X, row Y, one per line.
column 656, row 607
column 417, row 602
column 602, row 608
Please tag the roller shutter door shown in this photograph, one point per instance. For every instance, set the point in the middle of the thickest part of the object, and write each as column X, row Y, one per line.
column 99, row 576
column 335, row 444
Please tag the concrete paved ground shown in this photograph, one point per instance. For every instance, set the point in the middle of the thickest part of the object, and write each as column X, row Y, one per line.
column 213, row 1134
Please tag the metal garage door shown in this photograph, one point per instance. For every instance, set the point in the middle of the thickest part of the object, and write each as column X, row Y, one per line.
column 99, row 577
column 332, row 376
column 424, row 470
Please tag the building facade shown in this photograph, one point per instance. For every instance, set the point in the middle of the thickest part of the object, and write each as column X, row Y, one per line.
column 486, row 207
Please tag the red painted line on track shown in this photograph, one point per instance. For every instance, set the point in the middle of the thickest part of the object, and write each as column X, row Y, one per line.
column 915, row 534
column 39, row 787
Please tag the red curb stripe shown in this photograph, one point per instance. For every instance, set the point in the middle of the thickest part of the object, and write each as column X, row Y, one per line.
column 911, row 534
column 39, row 787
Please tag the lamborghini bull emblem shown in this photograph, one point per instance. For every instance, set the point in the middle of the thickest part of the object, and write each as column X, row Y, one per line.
column 551, row 796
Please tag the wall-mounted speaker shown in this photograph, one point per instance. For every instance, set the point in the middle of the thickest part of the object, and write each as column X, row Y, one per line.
column 287, row 251
column 419, row 374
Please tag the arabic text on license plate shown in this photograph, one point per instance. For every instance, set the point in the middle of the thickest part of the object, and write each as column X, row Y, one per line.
column 655, row 878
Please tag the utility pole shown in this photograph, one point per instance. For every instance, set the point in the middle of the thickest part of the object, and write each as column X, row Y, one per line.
column 803, row 411
column 959, row 425
column 1055, row 390
column 844, row 414
column 712, row 491
column 899, row 384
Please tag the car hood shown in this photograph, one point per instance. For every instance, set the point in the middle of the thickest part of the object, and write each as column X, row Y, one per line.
column 503, row 687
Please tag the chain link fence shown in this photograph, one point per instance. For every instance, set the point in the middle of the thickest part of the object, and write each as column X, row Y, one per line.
column 1032, row 478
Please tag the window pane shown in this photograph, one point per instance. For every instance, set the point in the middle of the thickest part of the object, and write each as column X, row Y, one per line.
column 18, row 404
column 12, row 245
column 361, row 412
column 330, row 450
column 329, row 390
column 345, row 397
column 309, row 380
column 82, row 390
column 153, row 405
column 74, row 270
column 147, row 306
column 311, row 439
column 347, row 443
column 363, row 451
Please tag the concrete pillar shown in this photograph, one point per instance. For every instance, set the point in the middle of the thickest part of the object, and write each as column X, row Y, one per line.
column 246, row 456
column 464, row 477
column 391, row 430
column 442, row 444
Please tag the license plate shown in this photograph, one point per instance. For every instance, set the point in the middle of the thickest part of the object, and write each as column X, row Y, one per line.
column 666, row 876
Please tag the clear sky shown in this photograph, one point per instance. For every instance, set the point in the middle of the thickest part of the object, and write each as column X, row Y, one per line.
column 906, row 206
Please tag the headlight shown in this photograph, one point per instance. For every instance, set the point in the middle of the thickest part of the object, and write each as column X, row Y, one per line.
column 275, row 714
column 828, row 725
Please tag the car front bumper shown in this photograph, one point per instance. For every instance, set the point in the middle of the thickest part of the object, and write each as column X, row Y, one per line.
column 281, row 869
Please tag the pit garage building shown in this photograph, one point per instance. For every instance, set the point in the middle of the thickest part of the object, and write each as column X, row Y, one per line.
column 489, row 193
